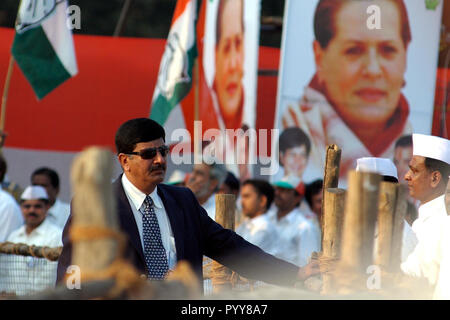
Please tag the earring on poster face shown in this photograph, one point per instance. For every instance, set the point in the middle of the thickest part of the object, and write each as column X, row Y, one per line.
column 404, row 83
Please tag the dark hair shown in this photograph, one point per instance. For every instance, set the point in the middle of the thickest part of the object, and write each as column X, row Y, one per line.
column 232, row 182
column 312, row 189
column 404, row 141
column 263, row 188
column 294, row 137
column 3, row 167
column 325, row 21
column 50, row 173
column 135, row 131
column 438, row 165
column 219, row 18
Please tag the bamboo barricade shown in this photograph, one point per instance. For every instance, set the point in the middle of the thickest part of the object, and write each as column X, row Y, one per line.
column 331, row 171
column 22, row 249
column 333, row 217
column 391, row 214
column 361, row 209
column 225, row 211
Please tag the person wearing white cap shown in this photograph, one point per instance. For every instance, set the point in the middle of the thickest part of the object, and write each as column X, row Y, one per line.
column 31, row 274
column 299, row 233
column 427, row 181
column 37, row 230
column 386, row 168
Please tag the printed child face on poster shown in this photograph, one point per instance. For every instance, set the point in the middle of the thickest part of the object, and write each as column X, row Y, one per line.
column 359, row 74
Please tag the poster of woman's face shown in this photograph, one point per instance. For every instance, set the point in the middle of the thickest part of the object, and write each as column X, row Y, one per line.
column 230, row 59
column 358, row 73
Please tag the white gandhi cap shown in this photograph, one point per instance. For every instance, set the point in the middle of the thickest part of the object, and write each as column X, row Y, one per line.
column 382, row 166
column 34, row 193
column 431, row 147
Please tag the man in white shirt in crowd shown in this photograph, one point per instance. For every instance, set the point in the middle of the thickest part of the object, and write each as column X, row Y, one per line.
column 299, row 234
column 403, row 152
column 427, row 180
column 256, row 199
column 386, row 168
column 48, row 178
column 205, row 180
column 10, row 216
column 30, row 274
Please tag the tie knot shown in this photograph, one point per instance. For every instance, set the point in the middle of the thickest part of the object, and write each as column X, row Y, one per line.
column 148, row 202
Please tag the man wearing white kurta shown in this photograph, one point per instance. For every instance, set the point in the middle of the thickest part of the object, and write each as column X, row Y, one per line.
column 256, row 199
column 427, row 180
column 299, row 234
column 386, row 168
column 30, row 274
column 442, row 290
column 10, row 216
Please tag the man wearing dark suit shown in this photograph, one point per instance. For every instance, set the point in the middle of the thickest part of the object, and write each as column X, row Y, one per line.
column 166, row 224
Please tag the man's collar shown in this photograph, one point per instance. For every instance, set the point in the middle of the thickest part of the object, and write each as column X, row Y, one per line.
column 137, row 197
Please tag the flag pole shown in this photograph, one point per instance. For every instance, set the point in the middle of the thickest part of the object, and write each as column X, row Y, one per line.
column 197, row 140
column 5, row 94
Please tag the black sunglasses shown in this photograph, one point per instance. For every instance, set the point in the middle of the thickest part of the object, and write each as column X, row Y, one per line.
column 150, row 153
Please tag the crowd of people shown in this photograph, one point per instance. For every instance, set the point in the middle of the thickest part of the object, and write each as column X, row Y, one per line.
column 278, row 224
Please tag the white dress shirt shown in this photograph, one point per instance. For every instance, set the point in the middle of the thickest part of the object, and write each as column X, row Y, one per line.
column 10, row 215
column 210, row 206
column 409, row 241
column 24, row 275
column 442, row 290
column 423, row 262
column 136, row 199
column 299, row 236
column 59, row 213
column 261, row 232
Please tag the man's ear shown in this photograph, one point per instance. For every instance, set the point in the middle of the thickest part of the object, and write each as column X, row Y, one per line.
column 436, row 179
column 124, row 161
column 263, row 201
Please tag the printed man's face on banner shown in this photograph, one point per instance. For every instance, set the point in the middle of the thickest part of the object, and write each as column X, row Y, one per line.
column 363, row 69
column 230, row 61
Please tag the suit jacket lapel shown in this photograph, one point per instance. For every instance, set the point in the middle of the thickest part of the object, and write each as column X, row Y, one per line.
column 176, row 218
column 126, row 217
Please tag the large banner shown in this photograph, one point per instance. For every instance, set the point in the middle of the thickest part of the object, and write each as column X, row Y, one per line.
column 358, row 74
column 225, row 92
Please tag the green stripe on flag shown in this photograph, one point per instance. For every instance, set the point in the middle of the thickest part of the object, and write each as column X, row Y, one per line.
column 162, row 107
column 38, row 61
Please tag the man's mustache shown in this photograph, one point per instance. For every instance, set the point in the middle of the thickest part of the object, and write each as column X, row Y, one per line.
column 32, row 214
column 158, row 167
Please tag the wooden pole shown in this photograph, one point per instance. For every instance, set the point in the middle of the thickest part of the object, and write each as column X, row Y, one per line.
column 361, row 208
column 385, row 224
column 333, row 218
column 122, row 17
column 332, row 164
column 225, row 210
column 197, row 131
column 331, row 172
column 401, row 208
column 93, row 207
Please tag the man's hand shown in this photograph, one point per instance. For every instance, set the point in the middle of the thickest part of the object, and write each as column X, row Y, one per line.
column 309, row 270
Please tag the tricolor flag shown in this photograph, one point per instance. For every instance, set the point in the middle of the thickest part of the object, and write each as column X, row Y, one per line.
column 43, row 46
column 176, row 68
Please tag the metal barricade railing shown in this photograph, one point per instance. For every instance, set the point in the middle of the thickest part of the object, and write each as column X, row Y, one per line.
column 26, row 269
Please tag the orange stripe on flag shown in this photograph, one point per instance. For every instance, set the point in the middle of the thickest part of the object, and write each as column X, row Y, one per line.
column 179, row 9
